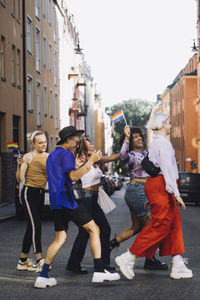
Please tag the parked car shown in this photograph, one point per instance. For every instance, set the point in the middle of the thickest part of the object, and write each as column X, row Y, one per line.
column 121, row 177
column 189, row 187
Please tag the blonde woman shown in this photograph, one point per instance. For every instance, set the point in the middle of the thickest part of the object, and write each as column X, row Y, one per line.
column 32, row 169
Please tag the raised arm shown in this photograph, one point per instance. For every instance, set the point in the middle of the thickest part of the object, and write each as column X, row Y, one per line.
column 77, row 174
column 125, row 146
column 113, row 157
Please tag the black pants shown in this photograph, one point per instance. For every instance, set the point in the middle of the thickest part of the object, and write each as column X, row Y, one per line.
column 80, row 244
column 33, row 203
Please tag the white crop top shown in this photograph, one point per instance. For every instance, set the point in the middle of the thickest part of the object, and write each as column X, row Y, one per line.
column 92, row 177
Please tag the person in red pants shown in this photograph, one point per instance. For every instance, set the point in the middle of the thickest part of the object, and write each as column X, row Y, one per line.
column 165, row 230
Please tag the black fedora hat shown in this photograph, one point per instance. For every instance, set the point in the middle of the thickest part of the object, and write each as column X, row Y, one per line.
column 67, row 132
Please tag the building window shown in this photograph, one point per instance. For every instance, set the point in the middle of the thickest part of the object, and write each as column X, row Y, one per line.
column 51, row 103
column 29, row 35
column 44, row 51
column 50, row 12
column 55, row 69
column 2, row 58
column 38, row 97
column 50, row 58
column 16, row 129
column 18, row 70
column 45, row 101
column 44, row 9
column 37, row 9
column 54, row 25
column 17, row 9
column 56, row 111
column 37, row 49
column 13, row 8
column 13, row 71
column 30, row 93
column 3, row 3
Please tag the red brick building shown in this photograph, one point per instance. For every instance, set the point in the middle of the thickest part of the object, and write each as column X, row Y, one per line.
column 184, row 117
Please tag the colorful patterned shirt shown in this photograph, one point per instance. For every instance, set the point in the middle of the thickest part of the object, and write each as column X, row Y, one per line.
column 133, row 160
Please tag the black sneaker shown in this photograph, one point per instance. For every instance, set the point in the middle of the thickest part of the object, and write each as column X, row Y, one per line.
column 109, row 268
column 155, row 264
column 113, row 244
column 77, row 270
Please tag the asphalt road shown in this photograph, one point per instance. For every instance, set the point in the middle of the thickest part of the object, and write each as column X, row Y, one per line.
column 146, row 284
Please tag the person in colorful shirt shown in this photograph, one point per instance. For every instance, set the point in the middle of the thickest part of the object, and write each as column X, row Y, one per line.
column 165, row 229
column 132, row 153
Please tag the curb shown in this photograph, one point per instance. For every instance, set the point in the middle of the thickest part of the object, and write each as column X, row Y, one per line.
column 7, row 218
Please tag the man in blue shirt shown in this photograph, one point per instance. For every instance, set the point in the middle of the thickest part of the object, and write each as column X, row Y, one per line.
column 61, row 173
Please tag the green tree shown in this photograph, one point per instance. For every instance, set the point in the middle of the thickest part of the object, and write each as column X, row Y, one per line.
column 136, row 112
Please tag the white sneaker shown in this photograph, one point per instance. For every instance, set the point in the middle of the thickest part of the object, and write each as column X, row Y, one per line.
column 179, row 269
column 126, row 262
column 39, row 266
column 28, row 265
column 43, row 282
column 104, row 276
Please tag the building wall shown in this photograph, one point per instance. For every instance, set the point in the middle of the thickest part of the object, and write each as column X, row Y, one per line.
column 184, row 117
column 198, row 74
column 40, row 116
column 11, row 89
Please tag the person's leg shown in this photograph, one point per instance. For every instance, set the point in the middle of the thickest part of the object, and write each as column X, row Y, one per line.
column 81, row 217
column 100, row 274
column 30, row 200
column 43, row 280
column 126, row 233
column 135, row 199
column 80, row 244
column 105, row 230
column 77, row 252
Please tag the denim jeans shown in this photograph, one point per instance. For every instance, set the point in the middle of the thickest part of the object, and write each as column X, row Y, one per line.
column 135, row 198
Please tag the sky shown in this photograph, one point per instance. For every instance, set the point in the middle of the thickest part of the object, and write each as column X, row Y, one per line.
column 135, row 48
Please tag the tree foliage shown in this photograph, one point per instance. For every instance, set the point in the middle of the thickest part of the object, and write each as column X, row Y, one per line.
column 136, row 112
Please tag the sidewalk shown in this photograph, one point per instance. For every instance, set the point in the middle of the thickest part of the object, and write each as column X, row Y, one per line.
column 7, row 211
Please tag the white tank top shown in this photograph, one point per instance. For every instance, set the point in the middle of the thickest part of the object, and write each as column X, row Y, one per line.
column 92, row 177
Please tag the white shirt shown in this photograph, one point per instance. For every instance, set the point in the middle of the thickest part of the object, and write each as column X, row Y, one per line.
column 162, row 154
column 92, row 177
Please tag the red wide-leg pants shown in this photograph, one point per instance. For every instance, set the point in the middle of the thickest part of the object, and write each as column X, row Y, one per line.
column 164, row 231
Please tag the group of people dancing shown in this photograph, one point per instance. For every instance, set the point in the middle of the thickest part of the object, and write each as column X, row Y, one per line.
column 152, row 202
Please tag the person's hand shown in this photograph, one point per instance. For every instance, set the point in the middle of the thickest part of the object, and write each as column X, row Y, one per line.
column 147, row 205
column 96, row 156
column 19, row 161
column 127, row 131
column 180, row 202
column 80, row 161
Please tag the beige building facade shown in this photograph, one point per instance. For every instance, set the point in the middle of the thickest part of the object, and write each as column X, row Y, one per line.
column 42, row 69
column 11, row 88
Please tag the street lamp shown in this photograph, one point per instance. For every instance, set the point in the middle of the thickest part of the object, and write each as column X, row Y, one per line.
column 194, row 47
column 78, row 49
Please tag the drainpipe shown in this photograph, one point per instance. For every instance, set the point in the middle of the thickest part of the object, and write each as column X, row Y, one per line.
column 24, row 70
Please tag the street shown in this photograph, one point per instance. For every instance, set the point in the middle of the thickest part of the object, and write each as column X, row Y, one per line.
column 146, row 284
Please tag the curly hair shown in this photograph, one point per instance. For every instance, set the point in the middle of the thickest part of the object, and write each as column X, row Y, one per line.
column 133, row 130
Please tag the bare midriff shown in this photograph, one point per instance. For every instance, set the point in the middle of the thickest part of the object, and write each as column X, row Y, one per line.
column 134, row 180
column 94, row 187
